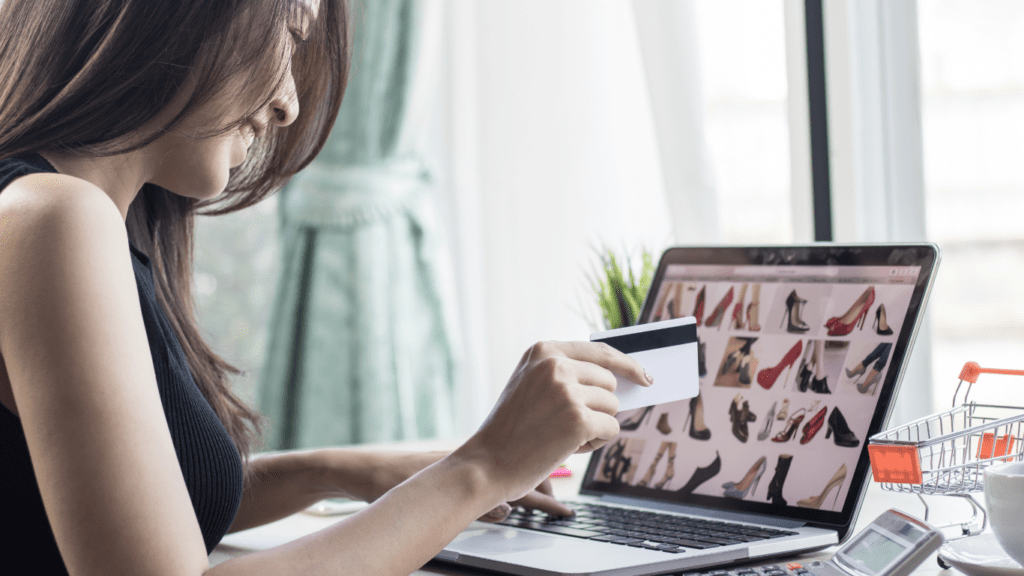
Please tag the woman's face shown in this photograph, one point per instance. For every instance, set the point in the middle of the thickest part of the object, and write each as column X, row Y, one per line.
column 200, row 168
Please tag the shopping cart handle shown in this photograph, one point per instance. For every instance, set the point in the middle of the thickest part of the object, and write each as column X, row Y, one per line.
column 971, row 370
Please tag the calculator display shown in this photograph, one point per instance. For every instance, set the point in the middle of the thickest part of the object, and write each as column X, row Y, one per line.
column 874, row 551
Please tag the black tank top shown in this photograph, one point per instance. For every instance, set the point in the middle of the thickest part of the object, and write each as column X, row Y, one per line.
column 209, row 461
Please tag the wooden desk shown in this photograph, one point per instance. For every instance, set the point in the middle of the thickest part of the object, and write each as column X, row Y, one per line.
column 287, row 529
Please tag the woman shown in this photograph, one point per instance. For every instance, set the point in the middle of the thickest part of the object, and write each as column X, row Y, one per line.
column 122, row 448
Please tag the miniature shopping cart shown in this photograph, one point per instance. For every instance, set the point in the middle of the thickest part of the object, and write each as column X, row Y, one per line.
column 947, row 453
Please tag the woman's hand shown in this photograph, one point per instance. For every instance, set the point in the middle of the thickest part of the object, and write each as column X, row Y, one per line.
column 559, row 401
column 400, row 466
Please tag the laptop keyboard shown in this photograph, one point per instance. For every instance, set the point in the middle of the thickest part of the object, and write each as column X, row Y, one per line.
column 642, row 528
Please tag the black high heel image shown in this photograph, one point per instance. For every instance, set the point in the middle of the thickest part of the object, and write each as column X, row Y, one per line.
column 740, row 417
column 736, row 356
column 880, row 325
column 794, row 304
column 634, row 422
column 702, row 475
column 775, row 488
column 844, row 436
column 697, row 413
column 702, row 367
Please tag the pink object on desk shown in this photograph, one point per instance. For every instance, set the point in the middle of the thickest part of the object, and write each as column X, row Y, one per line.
column 561, row 472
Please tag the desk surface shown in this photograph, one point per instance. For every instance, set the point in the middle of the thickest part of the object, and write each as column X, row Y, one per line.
column 287, row 529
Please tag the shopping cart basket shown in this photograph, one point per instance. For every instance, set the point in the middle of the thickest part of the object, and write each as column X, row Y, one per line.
column 947, row 453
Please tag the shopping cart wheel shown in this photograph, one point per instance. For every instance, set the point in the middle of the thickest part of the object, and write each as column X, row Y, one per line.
column 942, row 563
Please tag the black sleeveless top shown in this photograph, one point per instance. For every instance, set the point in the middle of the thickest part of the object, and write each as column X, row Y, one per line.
column 209, row 461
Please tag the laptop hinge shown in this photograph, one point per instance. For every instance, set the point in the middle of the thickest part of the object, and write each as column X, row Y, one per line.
column 706, row 512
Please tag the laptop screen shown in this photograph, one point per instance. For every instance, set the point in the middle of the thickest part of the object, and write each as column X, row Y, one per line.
column 799, row 355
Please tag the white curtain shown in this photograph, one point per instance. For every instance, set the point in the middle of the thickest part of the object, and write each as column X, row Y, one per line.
column 565, row 124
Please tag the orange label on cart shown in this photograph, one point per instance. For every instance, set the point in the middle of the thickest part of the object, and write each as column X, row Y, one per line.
column 989, row 447
column 895, row 464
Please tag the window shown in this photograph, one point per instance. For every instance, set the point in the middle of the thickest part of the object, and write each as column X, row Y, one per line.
column 972, row 91
column 742, row 54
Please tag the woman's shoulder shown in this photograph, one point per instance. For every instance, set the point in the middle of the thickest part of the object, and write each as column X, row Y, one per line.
column 56, row 195
column 44, row 211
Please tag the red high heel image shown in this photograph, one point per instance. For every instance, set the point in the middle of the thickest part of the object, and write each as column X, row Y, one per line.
column 698, row 308
column 766, row 378
column 715, row 320
column 843, row 325
column 813, row 425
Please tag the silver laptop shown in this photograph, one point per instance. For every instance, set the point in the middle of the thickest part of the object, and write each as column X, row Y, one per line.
column 801, row 350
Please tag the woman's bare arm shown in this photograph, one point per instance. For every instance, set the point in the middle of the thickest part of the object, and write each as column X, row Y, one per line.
column 75, row 347
column 284, row 483
column 77, row 355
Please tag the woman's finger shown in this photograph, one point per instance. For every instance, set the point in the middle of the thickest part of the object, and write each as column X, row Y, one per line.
column 545, row 503
column 545, row 488
column 593, row 375
column 605, row 356
column 598, row 400
column 604, row 428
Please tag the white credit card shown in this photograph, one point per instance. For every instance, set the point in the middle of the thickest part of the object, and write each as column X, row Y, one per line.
column 667, row 350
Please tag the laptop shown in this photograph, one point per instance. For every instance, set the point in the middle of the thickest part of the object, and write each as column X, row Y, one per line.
column 801, row 352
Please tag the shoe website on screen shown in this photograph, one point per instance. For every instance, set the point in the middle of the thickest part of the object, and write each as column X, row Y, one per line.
column 791, row 360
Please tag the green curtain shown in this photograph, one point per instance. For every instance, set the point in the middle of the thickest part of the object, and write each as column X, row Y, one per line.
column 359, row 348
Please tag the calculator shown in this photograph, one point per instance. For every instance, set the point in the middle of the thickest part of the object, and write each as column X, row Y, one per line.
column 894, row 544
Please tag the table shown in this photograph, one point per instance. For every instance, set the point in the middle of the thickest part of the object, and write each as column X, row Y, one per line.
column 298, row 525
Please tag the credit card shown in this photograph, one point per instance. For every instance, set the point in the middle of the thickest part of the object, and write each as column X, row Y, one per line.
column 667, row 350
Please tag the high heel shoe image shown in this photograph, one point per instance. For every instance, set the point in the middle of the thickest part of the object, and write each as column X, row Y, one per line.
column 663, row 426
column 784, row 412
column 766, row 378
column 837, row 425
column 702, row 367
column 870, row 382
column 813, row 425
column 794, row 304
column 702, row 475
column 754, row 308
column 653, row 467
column 768, row 421
column 670, row 468
column 791, row 426
column 737, row 311
column 698, row 430
column 736, row 357
column 745, row 370
column 715, row 320
column 843, row 325
column 671, row 447
column 740, row 417
column 698, row 307
column 836, row 482
column 781, row 472
column 634, row 422
column 880, row 325
column 749, row 482
column 857, row 371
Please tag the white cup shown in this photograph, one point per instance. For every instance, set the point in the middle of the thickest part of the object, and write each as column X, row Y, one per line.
column 1004, row 501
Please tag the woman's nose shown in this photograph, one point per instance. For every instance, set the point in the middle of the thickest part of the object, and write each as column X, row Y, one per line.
column 285, row 106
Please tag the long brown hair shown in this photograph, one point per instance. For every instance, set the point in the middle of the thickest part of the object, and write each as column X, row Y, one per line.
column 84, row 77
